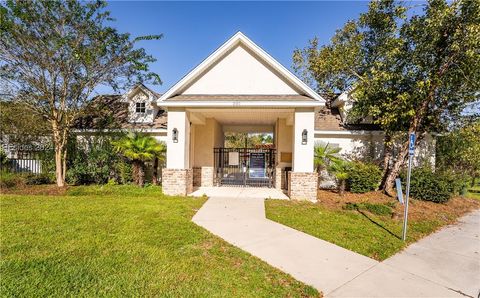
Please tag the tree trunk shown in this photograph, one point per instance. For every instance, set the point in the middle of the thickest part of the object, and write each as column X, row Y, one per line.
column 155, row 171
column 59, row 166
column 136, row 172
column 341, row 186
column 392, row 173
column 60, row 146
column 319, row 172
column 141, row 174
column 387, row 156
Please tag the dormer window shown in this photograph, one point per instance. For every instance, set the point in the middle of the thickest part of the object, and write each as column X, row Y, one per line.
column 140, row 107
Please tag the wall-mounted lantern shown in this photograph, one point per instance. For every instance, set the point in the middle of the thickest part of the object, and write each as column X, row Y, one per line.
column 304, row 137
column 175, row 135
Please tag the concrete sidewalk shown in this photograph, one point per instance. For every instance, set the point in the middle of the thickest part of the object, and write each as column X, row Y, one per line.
column 445, row 264
column 242, row 222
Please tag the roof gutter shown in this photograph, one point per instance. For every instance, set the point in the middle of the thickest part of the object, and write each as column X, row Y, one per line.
column 236, row 104
column 112, row 130
column 349, row 132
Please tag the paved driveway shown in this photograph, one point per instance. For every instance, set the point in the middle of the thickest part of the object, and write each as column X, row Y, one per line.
column 445, row 264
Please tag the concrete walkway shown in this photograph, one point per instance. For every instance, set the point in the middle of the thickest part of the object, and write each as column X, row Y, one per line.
column 445, row 264
column 242, row 222
column 240, row 192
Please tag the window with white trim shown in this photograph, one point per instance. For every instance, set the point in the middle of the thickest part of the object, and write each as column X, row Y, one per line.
column 140, row 107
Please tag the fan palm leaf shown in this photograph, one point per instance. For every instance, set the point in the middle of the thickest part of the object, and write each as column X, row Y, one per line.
column 324, row 155
column 139, row 148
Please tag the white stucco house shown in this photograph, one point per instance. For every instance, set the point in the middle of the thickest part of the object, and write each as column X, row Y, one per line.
column 241, row 88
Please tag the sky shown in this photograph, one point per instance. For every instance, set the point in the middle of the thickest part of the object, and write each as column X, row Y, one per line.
column 193, row 30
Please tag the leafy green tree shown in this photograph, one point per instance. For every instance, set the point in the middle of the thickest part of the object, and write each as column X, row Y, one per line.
column 55, row 53
column 20, row 123
column 459, row 150
column 140, row 148
column 408, row 74
column 249, row 140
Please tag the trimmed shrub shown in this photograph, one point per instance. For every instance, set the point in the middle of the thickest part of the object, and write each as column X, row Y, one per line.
column 363, row 177
column 94, row 161
column 3, row 158
column 458, row 182
column 427, row 185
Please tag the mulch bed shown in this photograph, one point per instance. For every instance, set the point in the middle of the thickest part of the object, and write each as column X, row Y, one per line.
column 418, row 210
column 42, row 190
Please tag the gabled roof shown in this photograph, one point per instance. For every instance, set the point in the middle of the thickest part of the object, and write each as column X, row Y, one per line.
column 239, row 39
column 111, row 112
column 140, row 87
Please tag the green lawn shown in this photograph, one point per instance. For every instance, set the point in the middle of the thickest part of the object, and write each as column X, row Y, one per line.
column 371, row 235
column 474, row 192
column 124, row 241
column 473, row 195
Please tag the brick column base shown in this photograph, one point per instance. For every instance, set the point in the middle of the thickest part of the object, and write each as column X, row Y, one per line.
column 303, row 186
column 203, row 176
column 177, row 181
column 278, row 178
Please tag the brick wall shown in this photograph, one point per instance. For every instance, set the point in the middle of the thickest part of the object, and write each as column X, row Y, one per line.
column 177, row 181
column 278, row 178
column 303, row 186
column 203, row 176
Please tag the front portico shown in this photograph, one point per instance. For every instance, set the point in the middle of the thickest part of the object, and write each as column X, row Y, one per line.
column 240, row 88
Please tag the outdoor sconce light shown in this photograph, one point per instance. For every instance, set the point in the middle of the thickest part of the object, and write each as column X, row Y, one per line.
column 175, row 135
column 304, row 137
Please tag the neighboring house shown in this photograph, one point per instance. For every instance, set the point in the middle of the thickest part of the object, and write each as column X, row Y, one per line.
column 24, row 157
column 238, row 88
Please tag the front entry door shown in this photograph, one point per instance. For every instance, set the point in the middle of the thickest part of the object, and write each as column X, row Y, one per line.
column 244, row 167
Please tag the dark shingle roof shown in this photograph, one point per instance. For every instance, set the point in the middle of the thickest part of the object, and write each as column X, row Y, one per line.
column 108, row 112
column 329, row 119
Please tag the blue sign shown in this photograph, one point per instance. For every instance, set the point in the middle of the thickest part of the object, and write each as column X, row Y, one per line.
column 411, row 144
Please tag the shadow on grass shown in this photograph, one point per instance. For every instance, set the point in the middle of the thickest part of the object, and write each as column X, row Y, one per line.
column 378, row 224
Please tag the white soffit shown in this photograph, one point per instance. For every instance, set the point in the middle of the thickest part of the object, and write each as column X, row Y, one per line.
column 239, row 39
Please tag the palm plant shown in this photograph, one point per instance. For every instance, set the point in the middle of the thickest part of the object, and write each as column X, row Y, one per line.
column 139, row 148
column 340, row 170
column 325, row 155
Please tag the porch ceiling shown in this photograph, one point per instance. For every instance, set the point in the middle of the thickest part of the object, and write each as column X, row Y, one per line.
column 243, row 116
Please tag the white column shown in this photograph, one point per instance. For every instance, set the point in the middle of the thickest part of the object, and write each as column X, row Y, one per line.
column 178, row 153
column 304, row 119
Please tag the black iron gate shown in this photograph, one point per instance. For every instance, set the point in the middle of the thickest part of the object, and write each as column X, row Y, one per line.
column 244, row 167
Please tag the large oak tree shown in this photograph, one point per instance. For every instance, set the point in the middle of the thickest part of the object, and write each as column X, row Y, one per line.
column 408, row 72
column 54, row 54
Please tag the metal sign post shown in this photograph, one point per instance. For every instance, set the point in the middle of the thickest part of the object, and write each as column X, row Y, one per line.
column 411, row 151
